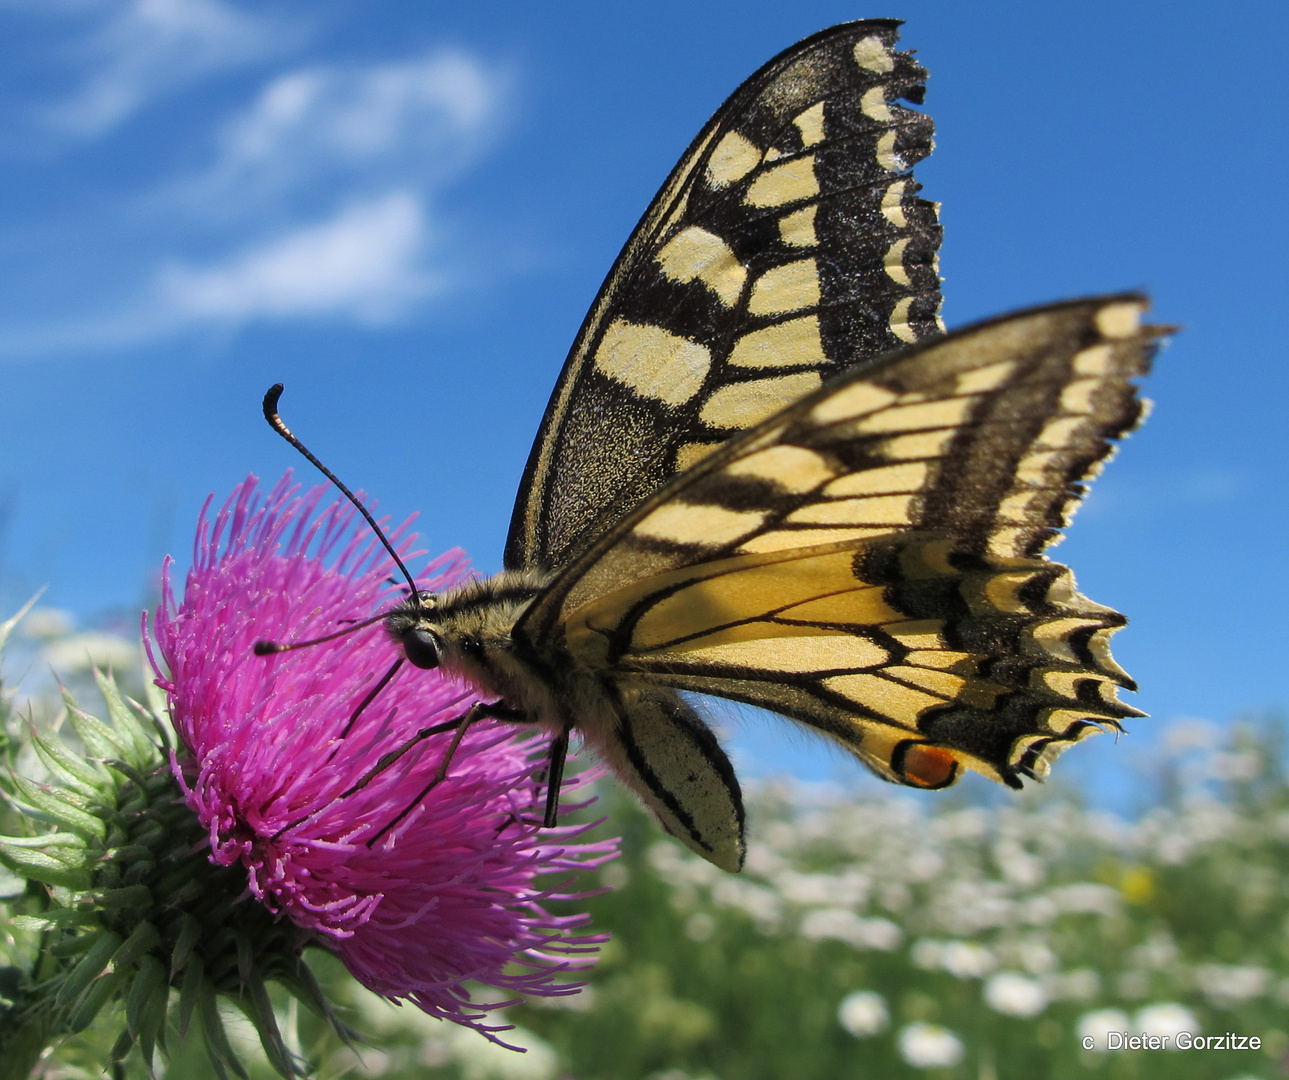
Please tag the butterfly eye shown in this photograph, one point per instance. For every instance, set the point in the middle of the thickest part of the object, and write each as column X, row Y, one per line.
column 421, row 647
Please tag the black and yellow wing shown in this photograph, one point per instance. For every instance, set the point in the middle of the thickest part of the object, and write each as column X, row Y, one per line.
column 869, row 561
column 787, row 246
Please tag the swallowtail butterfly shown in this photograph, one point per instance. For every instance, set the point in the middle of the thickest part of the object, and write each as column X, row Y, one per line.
column 767, row 474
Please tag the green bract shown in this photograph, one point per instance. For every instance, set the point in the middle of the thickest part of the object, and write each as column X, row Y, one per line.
column 121, row 909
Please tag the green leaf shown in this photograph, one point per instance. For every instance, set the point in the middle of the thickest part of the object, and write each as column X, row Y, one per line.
column 65, row 855
column 149, row 980
column 128, row 896
column 189, row 935
column 42, row 867
column 6, row 627
column 186, row 893
column 60, row 805
column 142, row 940
column 74, row 945
column 99, row 739
column 132, row 853
column 260, row 1010
column 212, row 1025
column 156, row 708
column 123, row 1045
column 145, row 753
column 91, row 965
column 163, row 733
column 127, row 770
column 154, row 697
column 55, row 919
column 74, row 769
column 245, row 958
column 134, row 801
column 189, row 990
column 45, row 840
column 152, row 1023
column 304, row 985
column 149, row 833
column 160, row 783
column 92, row 1001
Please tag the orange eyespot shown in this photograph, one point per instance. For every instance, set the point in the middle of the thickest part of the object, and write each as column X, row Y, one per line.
column 924, row 765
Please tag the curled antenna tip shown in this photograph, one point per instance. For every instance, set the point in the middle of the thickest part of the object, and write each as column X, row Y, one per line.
column 276, row 423
column 271, row 398
column 271, row 413
column 267, row 648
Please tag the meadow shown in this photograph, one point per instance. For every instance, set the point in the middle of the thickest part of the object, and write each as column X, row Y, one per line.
column 875, row 933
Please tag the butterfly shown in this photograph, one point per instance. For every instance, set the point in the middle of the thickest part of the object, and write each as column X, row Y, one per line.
column 767, row 474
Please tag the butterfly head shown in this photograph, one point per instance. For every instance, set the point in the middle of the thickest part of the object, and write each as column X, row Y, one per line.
column 467, row 629
column 412, row 625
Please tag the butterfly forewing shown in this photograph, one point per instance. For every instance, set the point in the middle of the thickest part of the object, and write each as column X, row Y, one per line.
column 786, row 247
column 868, row 561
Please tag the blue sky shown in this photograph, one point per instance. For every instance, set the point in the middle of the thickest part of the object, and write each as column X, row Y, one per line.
column 403, row 209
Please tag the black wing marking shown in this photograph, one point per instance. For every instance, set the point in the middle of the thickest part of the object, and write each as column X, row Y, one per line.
column 787, row 246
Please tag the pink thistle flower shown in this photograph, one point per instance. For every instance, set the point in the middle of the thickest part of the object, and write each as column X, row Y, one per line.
column 414, row 905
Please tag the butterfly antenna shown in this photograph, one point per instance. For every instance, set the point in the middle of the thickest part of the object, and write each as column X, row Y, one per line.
column 275, row 422
column 269, row 648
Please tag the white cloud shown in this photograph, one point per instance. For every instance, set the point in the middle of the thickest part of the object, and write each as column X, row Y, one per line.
column 144, row 48
column 320, row 126
column 363, row 263
column 376, row 139
column 313, row 202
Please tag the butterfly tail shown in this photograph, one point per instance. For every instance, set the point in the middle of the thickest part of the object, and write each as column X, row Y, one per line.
column 670, row 758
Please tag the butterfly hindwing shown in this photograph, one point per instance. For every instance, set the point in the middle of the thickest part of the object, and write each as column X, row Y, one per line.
column 869, row 561
column 992, row 663
column 787, row 246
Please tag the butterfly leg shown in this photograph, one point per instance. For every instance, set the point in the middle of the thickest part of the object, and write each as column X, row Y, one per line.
column 555, row 777
column 371, row 696
column 552, row 774
column 386, row 760
column 495, row 710
column 480, row 710
column 554, row 771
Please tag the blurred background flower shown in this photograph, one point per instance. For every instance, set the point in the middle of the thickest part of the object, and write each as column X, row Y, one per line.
column 929, row 1046
column 864, row 1013
column 1015, row 995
